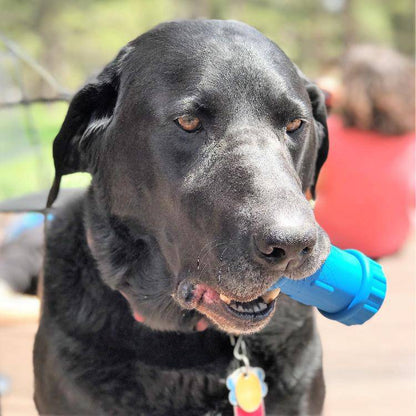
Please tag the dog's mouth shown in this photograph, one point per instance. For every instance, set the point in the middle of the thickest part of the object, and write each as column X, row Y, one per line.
column 231, row 315
column 259, row 307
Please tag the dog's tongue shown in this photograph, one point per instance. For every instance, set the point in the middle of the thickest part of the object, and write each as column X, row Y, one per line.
column 202, row 325
column 138, row 317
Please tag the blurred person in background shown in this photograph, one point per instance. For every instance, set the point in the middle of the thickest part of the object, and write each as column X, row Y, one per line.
column 366, row 191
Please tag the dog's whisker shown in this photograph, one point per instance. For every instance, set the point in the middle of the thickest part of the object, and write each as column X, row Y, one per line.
column 206, row 255
column 207, row 252
column 219, row 273
column 207, row 247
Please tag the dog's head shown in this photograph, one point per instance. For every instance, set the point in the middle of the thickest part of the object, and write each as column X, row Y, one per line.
column 202, row 139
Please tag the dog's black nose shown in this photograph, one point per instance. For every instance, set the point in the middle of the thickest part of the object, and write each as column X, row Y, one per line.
column 285, row 249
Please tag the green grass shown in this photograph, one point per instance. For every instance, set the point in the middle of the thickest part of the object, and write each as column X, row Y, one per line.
column 26, row 165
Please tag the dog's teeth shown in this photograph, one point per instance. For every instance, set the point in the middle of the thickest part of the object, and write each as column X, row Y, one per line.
column 271, row 295
column 262, row 306
column 247, row 306
column 234, row 305
column 252, row 307
column 240, row 308
column 225, row 299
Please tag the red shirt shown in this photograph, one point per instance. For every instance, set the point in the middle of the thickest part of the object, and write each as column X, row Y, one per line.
column 366, row 190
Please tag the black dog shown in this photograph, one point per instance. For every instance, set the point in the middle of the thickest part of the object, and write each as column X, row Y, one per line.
column 202, row 139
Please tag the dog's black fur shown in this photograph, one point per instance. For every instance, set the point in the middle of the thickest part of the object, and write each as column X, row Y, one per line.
column 170, row 211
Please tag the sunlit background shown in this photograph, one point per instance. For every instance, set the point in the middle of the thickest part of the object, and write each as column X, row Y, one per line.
column 50, row 48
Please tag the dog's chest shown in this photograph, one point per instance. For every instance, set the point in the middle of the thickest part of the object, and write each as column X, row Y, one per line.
column 134, row 387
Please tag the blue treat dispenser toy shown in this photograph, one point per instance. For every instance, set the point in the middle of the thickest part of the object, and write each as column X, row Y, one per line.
column 349, row 288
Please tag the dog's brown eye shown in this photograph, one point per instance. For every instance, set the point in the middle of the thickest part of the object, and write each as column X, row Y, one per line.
column 293, row 125
column 188, row 123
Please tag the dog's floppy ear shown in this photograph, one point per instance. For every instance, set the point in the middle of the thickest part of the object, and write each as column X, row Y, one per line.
column 89, row 114
column 317, row 98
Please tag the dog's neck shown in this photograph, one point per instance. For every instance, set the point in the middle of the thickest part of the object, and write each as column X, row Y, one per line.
column 96, row 315
column 134, row 266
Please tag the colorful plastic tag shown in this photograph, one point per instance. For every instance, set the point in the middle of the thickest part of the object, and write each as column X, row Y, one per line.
column 247, row 390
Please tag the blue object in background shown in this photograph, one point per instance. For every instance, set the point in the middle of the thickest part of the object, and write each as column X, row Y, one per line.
column 23, row 223
column 348, row 288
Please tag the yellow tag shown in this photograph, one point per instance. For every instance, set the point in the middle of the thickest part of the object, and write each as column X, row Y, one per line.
column 248, row 392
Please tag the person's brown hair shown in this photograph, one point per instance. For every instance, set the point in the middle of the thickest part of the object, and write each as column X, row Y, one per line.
column 379, row 90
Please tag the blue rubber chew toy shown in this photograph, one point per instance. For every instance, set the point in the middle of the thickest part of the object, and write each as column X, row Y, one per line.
column 348, row 288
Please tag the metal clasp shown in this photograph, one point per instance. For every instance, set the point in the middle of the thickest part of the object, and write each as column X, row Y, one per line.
column 240, row 351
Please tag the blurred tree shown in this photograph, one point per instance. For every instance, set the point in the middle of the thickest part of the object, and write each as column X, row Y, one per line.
column 74, row 39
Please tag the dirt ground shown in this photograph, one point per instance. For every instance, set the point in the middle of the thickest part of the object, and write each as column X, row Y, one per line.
column 370, row 370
